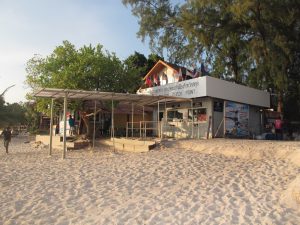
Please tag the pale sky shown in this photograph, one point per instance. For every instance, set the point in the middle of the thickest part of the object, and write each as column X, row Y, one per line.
column 29, row 27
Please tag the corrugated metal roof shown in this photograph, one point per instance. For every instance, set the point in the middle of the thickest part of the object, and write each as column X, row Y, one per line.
column 105, row 96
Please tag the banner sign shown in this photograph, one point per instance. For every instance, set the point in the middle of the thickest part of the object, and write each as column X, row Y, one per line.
column 186, row 89
column 61, row 125
column 236, row 119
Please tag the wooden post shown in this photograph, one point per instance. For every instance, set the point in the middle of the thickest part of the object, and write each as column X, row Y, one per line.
column 65, row 126
column 94, row 133
column 113, row 122
column 143, row 117
column 51, row 127
column 208, row 127
column 143, row 113
column 165, row 121
column 158, row 119
column 224, row 118
column 132, row 120
column 145, row 130
column 140, row 129
column 192, row 118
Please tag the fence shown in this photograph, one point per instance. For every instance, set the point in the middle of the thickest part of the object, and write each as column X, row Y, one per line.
column 170, row 129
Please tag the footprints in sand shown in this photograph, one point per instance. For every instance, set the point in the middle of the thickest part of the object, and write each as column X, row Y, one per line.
column 160, row 187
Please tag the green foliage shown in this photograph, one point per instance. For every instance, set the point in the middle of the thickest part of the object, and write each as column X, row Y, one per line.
column 137, row 61
column 152, row 60
column 32, row 117
column 292, row 96
column 136, row 67
column 86, row 68
column 246, row 41
column 11, row 114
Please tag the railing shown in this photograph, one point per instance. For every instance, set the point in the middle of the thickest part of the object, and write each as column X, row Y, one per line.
column 161, row 129
column 141, row 128
column 184, row 129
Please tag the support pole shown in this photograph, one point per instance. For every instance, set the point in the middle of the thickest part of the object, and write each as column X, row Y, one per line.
column 51, row 127
column 94, row 133
column 132, row 120
column 192, row 119
column 143, row 113
column 140, row 129
column 113, row 122
column 144, row 119
column 208, row 127
column 224, row 118
column 65, row 126
column 158, row 119
column 198, row 129
column 165, row 120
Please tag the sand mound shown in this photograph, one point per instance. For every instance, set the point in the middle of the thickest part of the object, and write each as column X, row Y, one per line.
column 253, row 150
column 291, row 196
column 245, row 149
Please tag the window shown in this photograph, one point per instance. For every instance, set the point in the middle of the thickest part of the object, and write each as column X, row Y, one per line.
column 218, row 106
column 174, row 115
column 197, row 115
column 164, row 79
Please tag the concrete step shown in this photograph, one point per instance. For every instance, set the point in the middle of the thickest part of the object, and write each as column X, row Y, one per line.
column 130, row 145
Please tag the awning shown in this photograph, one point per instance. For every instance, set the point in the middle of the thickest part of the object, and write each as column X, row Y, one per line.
column 105, row 96
column 66, row 94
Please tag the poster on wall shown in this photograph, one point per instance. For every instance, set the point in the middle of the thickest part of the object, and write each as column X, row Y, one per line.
column 236, row 119
column 61, row 125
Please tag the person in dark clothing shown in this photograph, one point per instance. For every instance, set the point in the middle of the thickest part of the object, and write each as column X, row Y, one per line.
column 57, row 129
column 72, row 125
column 6, row 138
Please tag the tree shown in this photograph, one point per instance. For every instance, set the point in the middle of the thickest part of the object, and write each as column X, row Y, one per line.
column 159, row 22
column 10, row 114
column 292, row 97
column 86, row 68
column 32, row 117
column 136, row 67
column 137, row 61
column 250, row 42
column 152, row 60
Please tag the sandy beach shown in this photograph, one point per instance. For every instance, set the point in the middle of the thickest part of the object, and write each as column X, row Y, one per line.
column 181, row 182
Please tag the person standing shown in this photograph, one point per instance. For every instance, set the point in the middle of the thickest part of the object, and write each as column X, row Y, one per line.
column 278, row 128
column 72, row 125
column 6, row 138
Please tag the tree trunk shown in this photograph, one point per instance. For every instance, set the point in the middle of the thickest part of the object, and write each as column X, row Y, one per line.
column 86, row 123
column 280, row 102
column 234, row 65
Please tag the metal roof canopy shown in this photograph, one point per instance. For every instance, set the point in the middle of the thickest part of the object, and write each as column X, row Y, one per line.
column 97, row 95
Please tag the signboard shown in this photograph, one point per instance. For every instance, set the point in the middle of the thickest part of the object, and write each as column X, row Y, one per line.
column 236, row 119
column 61, row 125
column 192, row 88
column 212, row 87
column 61, row 128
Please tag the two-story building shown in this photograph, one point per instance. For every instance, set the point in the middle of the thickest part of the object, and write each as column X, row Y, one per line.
column 214, row 107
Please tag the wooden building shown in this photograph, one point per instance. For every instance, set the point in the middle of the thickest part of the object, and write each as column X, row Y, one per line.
column 214, row 107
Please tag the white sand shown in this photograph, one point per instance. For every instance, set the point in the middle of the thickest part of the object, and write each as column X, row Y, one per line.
column 173, row 185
